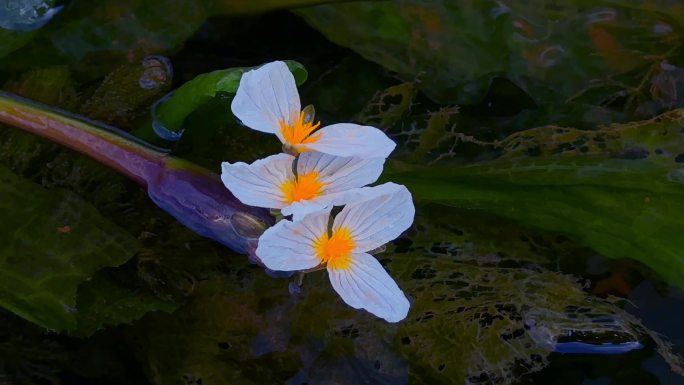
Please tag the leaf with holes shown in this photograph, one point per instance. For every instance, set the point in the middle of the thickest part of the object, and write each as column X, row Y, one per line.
column 618, row 190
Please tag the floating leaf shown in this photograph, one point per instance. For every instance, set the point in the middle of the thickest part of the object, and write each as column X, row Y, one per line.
column 232, row 7
column 617, row 190
column 553, row 52
column 94, row 39
column 52, row 241
column 483, row 308
column 475, row 287
column 171, row 113
column 102, row 302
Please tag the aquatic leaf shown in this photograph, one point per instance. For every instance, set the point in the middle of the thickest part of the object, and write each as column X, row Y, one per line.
column 615, row 189
column 475, row 287
column 552, row 51
column 237, row 7
column 94, row 39
column 483, row 308
column 218, row 324
column 103, row 301
column 170, row 114
column 52, row 241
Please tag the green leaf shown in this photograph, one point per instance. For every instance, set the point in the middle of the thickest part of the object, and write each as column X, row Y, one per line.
column 200, row 90
column 618, row 190
column 102, row 302
column 476, row 281
column 453, row 49
column 94, row 39
column 50, row 242
column 232, row 7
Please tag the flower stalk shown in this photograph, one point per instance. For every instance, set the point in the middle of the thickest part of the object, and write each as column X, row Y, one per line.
column 193, row 195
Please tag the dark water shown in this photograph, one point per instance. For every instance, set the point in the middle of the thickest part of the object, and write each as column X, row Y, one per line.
column 181, row 309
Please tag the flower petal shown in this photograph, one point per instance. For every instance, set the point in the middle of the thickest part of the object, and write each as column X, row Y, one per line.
column 300, row 209
column 266, row 96
column 377, row 215
column 347, row 139
column 289, row 246
column 258, row 184
column 366, row 285
column 338, row 175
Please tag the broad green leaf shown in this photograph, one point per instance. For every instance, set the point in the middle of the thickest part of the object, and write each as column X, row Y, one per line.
column 237, row 7
column 474, row 286
column 555, row 51
column 482, row 305
column 171, row 114
column 102, row 302
column 618, row 190
column 96, row 38
column 50, row 242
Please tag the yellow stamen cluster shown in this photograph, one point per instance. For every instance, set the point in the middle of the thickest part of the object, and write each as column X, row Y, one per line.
column 299, row 131
column 302, row 187
column 335, row 250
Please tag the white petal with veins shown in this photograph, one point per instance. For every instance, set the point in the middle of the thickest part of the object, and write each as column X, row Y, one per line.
column 258, row 184
column 289, row 246
column 378, row 215
column 366, row 285
column 347, row 139
column 267, row 96
column 340, row 173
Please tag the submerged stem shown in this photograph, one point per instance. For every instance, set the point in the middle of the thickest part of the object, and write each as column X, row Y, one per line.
column 111, row 146
column 193, row 195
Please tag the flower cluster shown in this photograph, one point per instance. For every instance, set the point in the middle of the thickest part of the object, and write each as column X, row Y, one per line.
column 320, row 169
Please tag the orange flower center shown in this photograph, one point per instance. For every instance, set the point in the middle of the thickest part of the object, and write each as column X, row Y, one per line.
column 335, row 251
column 302, row 188
column 299, row 131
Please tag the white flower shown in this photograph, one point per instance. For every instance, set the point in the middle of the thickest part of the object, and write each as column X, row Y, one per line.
column 267, row 100
column 321, row 179
column 381, row 215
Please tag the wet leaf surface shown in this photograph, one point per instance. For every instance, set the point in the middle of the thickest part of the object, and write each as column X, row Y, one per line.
column 52, row 241
column 510, row 219
column 613, row 189
column 557, row 52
